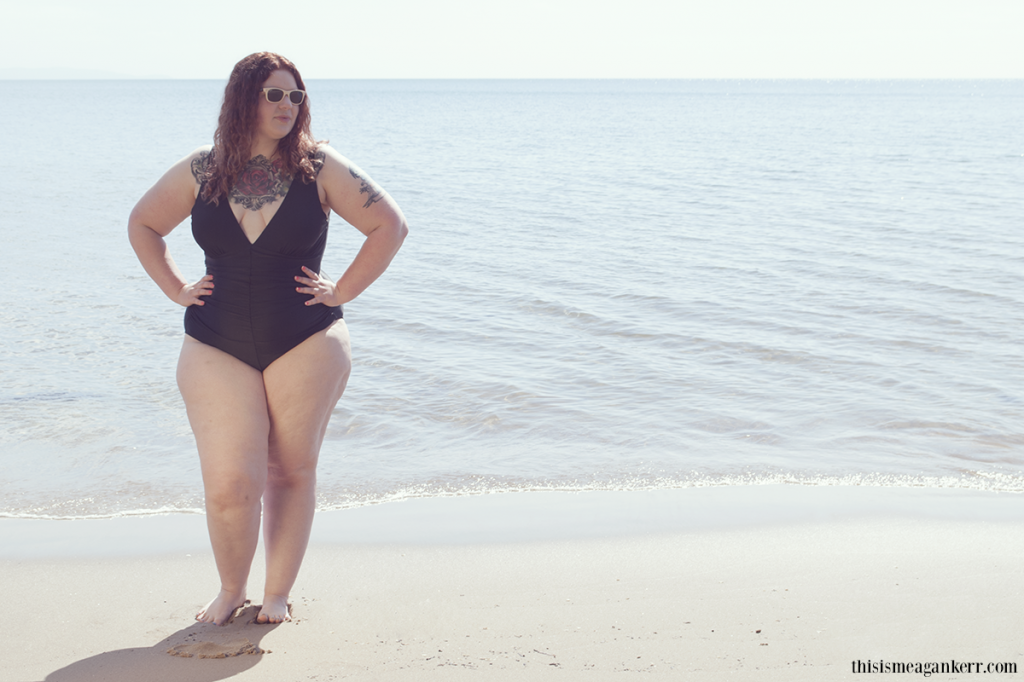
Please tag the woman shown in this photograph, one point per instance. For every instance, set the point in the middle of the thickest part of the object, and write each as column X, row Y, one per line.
column 266, row 353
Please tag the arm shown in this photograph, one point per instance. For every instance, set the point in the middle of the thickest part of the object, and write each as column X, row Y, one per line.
column 362, row 203
column 159, row 211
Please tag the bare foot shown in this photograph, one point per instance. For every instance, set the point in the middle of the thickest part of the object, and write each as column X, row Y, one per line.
column 276, row 609
column 222, row 608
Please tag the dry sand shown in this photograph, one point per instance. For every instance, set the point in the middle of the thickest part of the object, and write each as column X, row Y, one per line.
column 764, row 600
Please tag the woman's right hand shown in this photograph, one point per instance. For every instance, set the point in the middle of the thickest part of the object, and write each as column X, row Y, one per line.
column 190, row 293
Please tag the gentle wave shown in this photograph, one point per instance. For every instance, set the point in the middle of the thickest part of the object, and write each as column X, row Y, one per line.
column 994, row 483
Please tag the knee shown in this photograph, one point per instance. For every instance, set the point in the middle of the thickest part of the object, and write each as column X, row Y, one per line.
column 291, row 475
column 228, row 493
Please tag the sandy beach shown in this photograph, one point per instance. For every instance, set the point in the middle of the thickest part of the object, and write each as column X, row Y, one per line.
column 762, row 582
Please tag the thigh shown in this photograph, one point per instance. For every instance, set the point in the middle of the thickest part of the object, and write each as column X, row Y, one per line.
column 227, row 408
column 303, row 386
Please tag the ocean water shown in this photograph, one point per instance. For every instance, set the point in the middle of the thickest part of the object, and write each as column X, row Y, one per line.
column 607, row 285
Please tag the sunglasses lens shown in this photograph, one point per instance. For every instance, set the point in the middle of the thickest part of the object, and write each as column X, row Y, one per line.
column 274, row 94
column 296, row 96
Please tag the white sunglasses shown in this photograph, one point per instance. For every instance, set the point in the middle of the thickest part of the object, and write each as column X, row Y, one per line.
column 275, row 95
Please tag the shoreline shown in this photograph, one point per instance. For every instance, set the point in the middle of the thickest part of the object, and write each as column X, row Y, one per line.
column 769, row 585
column 519, row 517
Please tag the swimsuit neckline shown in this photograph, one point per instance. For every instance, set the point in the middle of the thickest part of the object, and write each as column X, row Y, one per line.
column 269, row 222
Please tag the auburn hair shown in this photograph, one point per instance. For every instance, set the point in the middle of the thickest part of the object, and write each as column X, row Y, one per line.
column 236, row 127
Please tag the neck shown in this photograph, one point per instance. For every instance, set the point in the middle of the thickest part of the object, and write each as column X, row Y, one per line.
column 265, row 148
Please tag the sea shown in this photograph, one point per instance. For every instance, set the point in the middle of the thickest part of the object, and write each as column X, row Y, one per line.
column 608, row 285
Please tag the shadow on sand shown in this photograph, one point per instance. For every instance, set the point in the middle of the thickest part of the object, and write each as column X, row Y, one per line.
column 201, row 653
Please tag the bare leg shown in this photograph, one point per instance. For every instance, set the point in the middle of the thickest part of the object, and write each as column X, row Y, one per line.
column 227, row 408
column 303, row 386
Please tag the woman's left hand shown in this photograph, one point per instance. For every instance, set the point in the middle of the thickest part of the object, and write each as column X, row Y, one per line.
column 320, row 288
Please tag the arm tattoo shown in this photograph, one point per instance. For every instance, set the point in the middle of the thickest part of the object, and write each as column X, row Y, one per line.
column 260, row 183
column 199, row 166
column 369, row 187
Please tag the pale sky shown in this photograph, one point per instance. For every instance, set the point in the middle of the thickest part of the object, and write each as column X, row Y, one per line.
column 522, row 39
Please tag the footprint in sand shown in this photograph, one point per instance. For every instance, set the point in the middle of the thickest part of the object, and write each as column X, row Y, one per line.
column 222, row 649
column 223, row 642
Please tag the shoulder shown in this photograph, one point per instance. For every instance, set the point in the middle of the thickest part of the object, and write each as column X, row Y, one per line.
column 327, row 159
column 170, row 200
column 336, row 171
column 199, row 163
column 350, row 191
column 339, row 170
column 317, row 157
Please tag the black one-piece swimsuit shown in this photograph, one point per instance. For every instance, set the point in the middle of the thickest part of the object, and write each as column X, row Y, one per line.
column 254, row 312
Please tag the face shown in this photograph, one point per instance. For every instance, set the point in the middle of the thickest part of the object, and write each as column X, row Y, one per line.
column 276, row 119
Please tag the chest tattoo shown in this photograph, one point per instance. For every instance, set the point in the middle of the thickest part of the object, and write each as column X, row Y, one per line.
column 260, row 183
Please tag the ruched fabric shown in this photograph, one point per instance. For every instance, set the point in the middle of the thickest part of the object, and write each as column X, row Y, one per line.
column 254, row 312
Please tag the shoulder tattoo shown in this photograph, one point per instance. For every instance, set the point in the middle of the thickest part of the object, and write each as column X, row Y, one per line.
column 368, row 187
column 317, row 159
column 199, row 166
column 261, row 182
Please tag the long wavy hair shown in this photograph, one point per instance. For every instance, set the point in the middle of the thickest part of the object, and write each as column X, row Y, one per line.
column 232, row 142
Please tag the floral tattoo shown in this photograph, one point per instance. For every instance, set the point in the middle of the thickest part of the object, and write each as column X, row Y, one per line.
column 260, row 183
column 200, row 165
column 368, row 187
